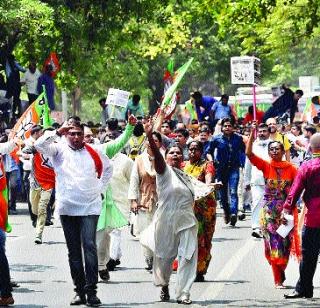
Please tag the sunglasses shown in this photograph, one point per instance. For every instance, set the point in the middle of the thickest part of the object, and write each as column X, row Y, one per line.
column 75, row 134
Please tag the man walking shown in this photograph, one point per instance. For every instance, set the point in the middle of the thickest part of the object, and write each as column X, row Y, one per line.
column 253, row 178
column 308, row 179
column 82, row 174
column 227, row 151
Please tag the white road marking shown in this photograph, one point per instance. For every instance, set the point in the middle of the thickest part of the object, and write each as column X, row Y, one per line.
column 214, row 289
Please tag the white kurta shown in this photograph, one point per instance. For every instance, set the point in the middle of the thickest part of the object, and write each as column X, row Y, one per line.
column 78, row 189
column 173, row 215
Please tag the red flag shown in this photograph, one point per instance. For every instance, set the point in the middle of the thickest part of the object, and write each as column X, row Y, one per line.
column 54, row 62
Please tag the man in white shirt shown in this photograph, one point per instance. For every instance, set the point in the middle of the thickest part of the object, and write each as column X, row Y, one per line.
column 30, row 79
column 253, row 178
column 82, row 175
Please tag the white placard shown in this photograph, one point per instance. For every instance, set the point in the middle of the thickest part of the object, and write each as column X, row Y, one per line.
column 117, row 97
column 243, row 69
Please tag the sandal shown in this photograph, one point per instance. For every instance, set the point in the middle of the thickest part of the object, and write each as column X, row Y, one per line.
column 185, row 301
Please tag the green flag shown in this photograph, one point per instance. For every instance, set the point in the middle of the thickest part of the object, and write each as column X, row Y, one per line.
column 177, row 79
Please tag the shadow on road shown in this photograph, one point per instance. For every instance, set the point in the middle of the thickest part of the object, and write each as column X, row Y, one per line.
column 20, row 267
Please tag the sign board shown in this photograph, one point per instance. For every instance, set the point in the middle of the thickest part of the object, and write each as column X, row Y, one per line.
column 117, row 97
column 245, row 70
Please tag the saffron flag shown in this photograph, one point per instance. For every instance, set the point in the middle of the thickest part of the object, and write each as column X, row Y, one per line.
column 37, row 113
column 170, row 93
column 309, row 111
column 54, row 62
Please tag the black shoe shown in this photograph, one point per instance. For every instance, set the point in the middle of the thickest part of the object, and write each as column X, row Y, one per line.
column 93, row 301
column 78, row 300
column 164, row 294
column 242, row 216
column 118, row 262
column 226, row 218
column 14, row 284
column 233, row 220
column 149, row 261
column 296, row 294
column 256, row 234
column 111, row 265
column 199, row 278
column 48, row 223
column 104, row 275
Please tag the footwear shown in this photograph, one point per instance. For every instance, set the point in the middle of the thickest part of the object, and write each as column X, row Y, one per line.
column 13, row 212
column 104, row 275
column 149, row 261
column 233, row 220
column 226, row 218
column 93, row 301
column 118, row 262
column 296, row 294
column 78, row 300
column 185, row 301
column 242, row 216
column 164, row 294
column 48, row 223
column 14, row 284
column 38, row 240
column 199, row 278
column 111, row 265
column 256, row 233
column 5, row 301
column 280, row 286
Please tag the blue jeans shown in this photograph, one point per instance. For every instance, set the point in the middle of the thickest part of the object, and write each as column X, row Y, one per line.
column 230, row 181
column 5, row 288
column 308, row 264
column 80, row 233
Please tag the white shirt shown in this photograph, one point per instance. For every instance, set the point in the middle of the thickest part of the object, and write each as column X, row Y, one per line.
column 31, row 81
column 252, row 175
column 78, row 190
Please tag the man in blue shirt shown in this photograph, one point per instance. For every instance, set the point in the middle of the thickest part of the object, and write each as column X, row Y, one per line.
column 221, row 109
column 227, row 150
column 203, row 106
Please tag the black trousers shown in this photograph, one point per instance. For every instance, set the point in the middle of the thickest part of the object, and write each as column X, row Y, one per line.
column 308, row 265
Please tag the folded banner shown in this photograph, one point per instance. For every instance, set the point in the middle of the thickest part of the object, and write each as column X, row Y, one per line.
column 169, row 97
column 37, row 113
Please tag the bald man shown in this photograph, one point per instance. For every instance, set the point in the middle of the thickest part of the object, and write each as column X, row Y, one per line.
column 276, row 136
column 307, row 179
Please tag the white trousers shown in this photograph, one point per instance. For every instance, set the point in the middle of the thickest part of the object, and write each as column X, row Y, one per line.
column 144, row 219
column 186, row 273
column 257, row 193
column 115, row 244
column 103, row 247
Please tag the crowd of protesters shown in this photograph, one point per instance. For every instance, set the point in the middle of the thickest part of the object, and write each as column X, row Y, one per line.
column 165, row 177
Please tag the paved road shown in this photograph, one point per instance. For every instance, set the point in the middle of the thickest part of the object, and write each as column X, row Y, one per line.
column 238, row 275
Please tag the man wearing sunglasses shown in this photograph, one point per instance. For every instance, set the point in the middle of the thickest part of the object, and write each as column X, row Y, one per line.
column 82, row 174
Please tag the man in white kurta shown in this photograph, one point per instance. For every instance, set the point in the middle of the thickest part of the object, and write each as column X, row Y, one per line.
column 254, row 180
column 82, row 174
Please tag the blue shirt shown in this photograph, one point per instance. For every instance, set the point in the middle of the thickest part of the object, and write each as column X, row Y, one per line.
column 227, row 153
column 221, row 111
column 207, row 103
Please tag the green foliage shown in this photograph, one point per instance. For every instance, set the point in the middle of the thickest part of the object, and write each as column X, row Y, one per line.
column 127, row 44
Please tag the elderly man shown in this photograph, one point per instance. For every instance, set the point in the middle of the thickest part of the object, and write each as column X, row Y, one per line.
column 82, row 174
column 308, row 179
